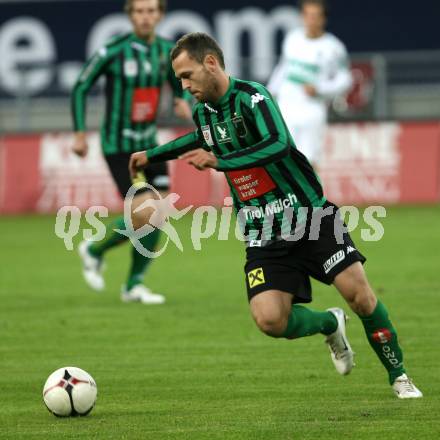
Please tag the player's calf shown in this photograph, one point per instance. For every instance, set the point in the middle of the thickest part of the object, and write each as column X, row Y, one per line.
column 381, row 334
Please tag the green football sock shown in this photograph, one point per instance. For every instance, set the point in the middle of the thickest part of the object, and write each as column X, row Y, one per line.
column 111, row 239
column 139, row 263
column 382, row 337
column 305, row 322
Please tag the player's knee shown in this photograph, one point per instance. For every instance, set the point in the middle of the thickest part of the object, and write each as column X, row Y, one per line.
column 271, row 323
column 363, row 300
column 137, row 221
column 354, row 287
column 140, row 219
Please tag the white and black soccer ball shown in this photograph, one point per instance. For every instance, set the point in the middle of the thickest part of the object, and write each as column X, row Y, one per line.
column 70, row 391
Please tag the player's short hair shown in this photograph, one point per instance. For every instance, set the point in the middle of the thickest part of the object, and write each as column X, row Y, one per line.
column 198, row 45
column 128, row 8
column 322, row 3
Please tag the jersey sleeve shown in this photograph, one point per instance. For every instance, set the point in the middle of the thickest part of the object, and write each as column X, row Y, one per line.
column 260, row 110
column 89, row 74
column 339, row 79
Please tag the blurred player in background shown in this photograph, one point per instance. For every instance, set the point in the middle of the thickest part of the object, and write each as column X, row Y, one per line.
column 135, row 66
column 240, row 131
column 313, row 70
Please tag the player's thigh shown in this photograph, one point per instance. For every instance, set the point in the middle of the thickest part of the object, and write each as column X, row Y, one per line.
column 271, row 306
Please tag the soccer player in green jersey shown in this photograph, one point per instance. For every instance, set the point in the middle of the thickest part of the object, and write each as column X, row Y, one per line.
column 240, row 131
column 135, row 67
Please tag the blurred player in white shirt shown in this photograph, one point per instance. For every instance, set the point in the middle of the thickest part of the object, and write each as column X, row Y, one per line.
column 312, row 71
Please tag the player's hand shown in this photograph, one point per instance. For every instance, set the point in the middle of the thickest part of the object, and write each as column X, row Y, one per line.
column 200, row 158
column 310, row 90
column 182, row 109
column 80, row 146
column 138, row 161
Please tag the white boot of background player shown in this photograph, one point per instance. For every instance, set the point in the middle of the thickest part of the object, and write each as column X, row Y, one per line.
column 142, row 294
column 92, row 267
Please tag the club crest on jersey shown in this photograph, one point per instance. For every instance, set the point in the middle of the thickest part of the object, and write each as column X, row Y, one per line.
column 206, row 130
column 240, row 127
column 130, row 68
column 222, row 132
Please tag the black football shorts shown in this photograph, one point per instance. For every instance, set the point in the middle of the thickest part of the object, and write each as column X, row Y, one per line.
column 288, row 266
column 156, row 174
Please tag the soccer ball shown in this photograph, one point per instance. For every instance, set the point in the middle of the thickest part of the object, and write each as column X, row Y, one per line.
column 70, row 391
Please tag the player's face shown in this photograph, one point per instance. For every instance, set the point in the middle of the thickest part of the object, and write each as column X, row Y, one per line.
column 197, row 78
column 314, row 19
column 145, row 15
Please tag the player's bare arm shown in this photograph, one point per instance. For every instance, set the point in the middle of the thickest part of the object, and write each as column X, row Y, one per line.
column 80, row 146
column 138, row 161
column 310, row 89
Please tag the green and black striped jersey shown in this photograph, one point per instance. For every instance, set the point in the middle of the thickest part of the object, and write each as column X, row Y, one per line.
column 264, row 169
column 135, row 72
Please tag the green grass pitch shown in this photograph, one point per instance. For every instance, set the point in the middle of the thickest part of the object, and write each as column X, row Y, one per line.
column 197, row 367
